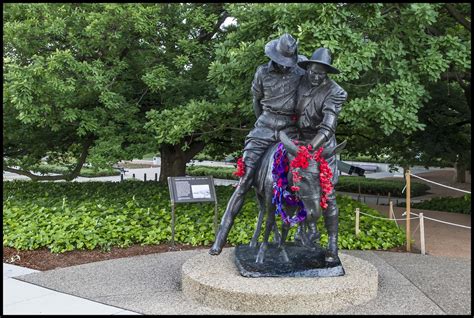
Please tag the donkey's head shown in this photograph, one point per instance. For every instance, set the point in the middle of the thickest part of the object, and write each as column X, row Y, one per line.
column 310, row 188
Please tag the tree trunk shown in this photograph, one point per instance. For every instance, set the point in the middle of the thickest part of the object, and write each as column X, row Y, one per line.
column 174, row 159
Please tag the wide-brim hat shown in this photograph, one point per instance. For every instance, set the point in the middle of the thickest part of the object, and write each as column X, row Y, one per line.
column 283, row 50
column 320, row 56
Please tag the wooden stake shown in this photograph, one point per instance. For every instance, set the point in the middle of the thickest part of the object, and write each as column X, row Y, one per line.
column 357, row 221
column 407, row 178
column 422, row 234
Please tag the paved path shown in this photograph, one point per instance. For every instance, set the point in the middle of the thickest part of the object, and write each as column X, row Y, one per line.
column 20, row 297
column 409, row 284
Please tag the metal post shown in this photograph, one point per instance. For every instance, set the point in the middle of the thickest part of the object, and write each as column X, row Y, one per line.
column 133, row 176
column 407, row 177
column 388, row 199
column 156, row 176
column 144, row 177
column 172, row 224
column 422, row 234
column 357, row 222
column 121, row 177
column 378, row 195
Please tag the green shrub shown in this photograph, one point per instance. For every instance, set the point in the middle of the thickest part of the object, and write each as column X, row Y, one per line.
column 216, row 172
column 345, row 184
column 446, row 204
column 85, row 171
column 65, row 216
column 377, row 186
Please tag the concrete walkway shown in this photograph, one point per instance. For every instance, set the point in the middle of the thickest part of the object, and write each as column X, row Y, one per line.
column 409, row 284
column 22, row 298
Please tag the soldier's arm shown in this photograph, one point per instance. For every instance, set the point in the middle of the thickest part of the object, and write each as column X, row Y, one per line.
column 257, row 92
column 331, row 108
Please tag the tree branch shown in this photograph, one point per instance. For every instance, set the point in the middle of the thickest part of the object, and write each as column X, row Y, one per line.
column 456, row 75
column 457, row 16
column 68, row 177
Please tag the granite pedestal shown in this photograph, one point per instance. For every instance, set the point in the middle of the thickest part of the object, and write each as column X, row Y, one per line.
column 215, row 281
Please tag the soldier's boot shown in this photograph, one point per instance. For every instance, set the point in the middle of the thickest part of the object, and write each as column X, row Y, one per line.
column 332, row 223
column 233, row 207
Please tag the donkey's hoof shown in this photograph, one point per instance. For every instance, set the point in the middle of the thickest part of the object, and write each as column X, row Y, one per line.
column 330, row 257
column 284, row 255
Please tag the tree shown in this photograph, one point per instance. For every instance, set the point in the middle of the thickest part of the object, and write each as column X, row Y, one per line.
column 390, row 55
column 80, row 79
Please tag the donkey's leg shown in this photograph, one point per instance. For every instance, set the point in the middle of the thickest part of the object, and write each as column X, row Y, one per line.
column 268, row 228
column 285, row 228
column 261, row 213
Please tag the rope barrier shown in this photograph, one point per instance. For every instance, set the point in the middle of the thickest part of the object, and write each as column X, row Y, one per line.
column 439, row 184
column 436, row 220
column 376, row 217
column 416, row 217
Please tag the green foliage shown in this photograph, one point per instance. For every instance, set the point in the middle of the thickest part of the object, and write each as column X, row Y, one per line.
column 74, row 216
column 81, row 78
column 85, row 172
column 216, row 172
column 377, row 186
column 446, row 204
column 389, row 55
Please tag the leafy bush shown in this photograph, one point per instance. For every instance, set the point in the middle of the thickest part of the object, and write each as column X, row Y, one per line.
column 446, row 204
column 216, row 172
column 377, row 186
column 345, row 184
column 85, row 172
column 66, row 216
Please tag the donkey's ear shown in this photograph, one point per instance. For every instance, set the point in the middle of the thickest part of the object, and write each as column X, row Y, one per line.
column 341, row 146
column 289, row 145
column 328, row 152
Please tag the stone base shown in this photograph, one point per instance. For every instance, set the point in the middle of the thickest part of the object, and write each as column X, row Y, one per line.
column 215, row 281
column 302, row 262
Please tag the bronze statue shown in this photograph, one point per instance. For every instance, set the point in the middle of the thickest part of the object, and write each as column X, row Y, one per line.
column 274, row 98
column 319, row 102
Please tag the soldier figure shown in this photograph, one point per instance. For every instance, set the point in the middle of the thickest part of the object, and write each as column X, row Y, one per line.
column 319, row 102
column 274, row 99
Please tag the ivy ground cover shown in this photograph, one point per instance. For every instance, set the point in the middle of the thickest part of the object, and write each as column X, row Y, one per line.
column 66, row 216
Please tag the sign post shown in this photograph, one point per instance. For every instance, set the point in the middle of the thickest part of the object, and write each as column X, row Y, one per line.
column 191, row 190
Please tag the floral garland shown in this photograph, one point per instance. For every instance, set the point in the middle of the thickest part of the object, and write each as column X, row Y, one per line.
column 325, row 173
column 280, row 182
column 240, row 168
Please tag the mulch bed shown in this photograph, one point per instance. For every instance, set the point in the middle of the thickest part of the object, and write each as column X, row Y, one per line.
column 43, row 260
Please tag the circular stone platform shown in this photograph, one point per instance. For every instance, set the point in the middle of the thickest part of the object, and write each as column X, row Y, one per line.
column 214, row 281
